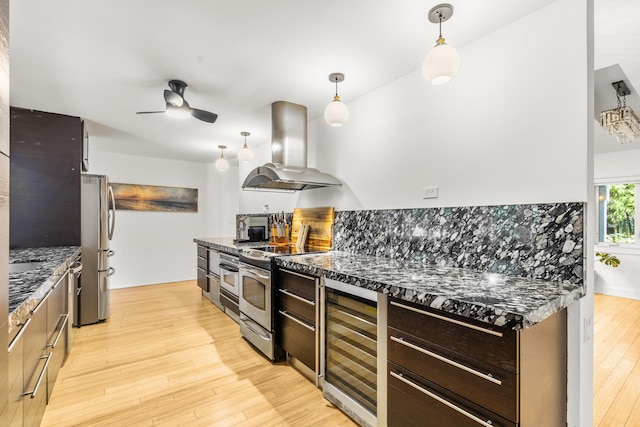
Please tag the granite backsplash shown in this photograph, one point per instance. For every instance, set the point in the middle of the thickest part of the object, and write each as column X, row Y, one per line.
column 539, row 241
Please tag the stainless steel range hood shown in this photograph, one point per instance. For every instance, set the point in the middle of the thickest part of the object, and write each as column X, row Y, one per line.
column 288, row 170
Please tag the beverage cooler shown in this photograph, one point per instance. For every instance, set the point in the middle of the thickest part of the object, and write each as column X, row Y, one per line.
column 354, row 351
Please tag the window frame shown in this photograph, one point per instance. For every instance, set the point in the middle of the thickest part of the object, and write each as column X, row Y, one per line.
column 626, row 247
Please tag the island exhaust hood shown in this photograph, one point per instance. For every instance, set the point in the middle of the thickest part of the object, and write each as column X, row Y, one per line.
column 288, row 169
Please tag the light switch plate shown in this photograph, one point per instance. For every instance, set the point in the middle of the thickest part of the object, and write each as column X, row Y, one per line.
column 429, row 192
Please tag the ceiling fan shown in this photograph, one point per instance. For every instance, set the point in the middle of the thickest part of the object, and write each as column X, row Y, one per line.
column 177, row 106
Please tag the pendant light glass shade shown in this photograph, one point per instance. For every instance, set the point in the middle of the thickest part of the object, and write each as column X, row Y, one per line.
column 336, row 114
column 443, row 61
column 245, row 155
column 222, row 164
column 441, row 64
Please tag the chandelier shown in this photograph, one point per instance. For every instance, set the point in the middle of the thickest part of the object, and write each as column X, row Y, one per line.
column 621, row 122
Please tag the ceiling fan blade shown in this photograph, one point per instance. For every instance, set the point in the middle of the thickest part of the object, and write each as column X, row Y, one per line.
column 173, row 98
column 150, row 112
column 205, row 116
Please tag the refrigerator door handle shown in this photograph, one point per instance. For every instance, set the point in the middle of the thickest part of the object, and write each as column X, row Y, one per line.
column 112, row 213
column 111, row 271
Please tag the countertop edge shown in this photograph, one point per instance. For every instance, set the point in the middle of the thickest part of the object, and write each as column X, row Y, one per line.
column 20, row 313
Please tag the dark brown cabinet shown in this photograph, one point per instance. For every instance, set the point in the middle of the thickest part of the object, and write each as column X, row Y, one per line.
column 203, row 266
column 57, row 330
column 208, row 274
column 46, row 160
column 36, row 353
column 297, row 319
column 458, row 372
column 36, row 360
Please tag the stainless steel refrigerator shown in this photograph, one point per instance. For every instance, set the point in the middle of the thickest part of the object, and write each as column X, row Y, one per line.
column 97, row 224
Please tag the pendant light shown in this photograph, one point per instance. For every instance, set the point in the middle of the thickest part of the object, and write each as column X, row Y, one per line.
column 336, row 113
column 222, row 164
column 245, row 155
column 443, row 61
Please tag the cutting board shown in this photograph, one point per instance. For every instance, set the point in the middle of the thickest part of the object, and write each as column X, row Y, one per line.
column 320, row 221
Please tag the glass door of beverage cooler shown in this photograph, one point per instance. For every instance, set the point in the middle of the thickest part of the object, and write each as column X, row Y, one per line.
column 351, row 353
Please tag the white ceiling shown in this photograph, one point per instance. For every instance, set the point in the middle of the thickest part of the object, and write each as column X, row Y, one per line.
column 103, row 60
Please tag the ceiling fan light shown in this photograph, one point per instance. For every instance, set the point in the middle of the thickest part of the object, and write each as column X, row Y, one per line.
column 441, row 64
column 178, row 112
column 336, row 114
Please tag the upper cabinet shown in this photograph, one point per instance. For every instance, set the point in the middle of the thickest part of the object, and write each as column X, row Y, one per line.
column 46, row 162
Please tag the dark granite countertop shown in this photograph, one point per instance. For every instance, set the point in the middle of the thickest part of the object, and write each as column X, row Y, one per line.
column 509, row 301
column 27, row 289
column 503, row 300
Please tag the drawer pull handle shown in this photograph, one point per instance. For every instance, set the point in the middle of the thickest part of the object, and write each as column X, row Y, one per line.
column 40, row 377
column 292, row 295
column 469, row 415
column 446, row 319
column 62, row 328
column 298, row 274
column 288, row 316
column 487, row 377
column 15, row 340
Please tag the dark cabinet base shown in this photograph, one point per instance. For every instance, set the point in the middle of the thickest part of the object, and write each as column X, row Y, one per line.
column 414, row 401
column 298, row 341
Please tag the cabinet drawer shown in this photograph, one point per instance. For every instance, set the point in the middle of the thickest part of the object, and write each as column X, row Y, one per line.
column 57, row 359
column 202, row 252
column 412, row 401
column 35, row 339
column 298, row 284
column 487, row 343
column 202, row 280
column 16, row 384
column 203, row 263
column 301, row 307
column 298, row 339
column 34, row 406
column 486, row 385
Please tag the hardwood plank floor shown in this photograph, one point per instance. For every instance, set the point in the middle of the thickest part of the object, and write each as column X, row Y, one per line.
column 168, row 357
column 616, row 381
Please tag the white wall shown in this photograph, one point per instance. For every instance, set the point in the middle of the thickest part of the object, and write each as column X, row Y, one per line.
column 487, row 137
column 156, row 247
column 515, row 126
column 622, row 281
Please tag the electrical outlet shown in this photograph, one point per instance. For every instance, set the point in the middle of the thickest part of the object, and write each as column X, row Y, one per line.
column 430, row 192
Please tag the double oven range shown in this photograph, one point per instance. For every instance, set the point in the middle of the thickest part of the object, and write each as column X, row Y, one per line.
column 257, row 295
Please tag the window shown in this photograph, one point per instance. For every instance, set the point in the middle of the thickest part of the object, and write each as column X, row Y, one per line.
column 617, row 213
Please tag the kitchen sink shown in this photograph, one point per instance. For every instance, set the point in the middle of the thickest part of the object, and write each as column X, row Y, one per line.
column 21, row 267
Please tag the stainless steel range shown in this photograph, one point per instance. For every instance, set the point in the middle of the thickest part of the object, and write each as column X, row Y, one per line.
column 256, row 296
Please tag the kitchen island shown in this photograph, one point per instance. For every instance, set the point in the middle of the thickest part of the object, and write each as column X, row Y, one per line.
column 451, row 344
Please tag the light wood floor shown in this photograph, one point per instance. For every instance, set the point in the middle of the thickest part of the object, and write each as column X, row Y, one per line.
column 168, row 357
column 616, row 382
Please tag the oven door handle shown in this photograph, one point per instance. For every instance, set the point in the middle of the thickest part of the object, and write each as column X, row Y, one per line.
column 228, row 268
column 256, row 274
